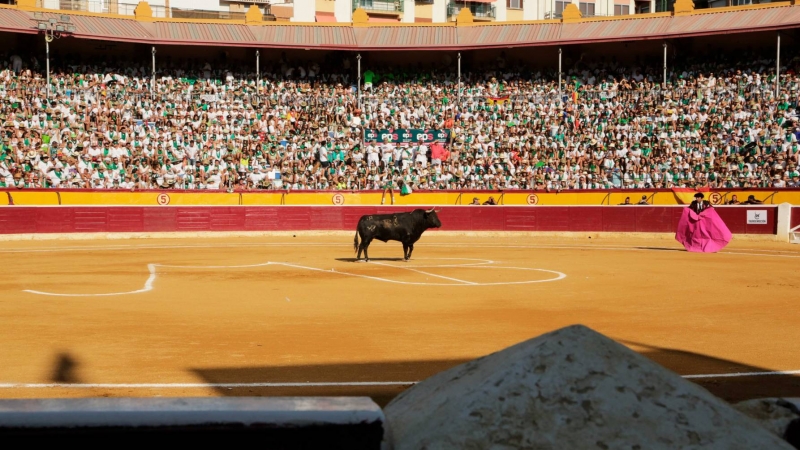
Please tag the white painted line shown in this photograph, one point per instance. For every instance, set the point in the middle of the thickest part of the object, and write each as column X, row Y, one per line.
column 149, row 283
column 744, row 374
column 302, row 384
column 245, row 266
column 477, row 263
column 760, row 254
column 427, row 273
column 148, row 286
column 197, row 385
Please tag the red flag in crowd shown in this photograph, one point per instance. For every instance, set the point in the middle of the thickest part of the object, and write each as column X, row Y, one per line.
column 439, row 152
column 686, row 195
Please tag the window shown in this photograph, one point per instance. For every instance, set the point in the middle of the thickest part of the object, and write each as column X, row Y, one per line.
column 622, row 10
column 643, row 8
column 664, row 5
column 587, row 9
column 560, row 8
column 514, row 4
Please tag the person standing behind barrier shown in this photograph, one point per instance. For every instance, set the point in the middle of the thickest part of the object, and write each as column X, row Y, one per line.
column 373, row 156
column 16, row 64
column 699, row 205
column 323, row 156
column 388, row 185
column 387, row 154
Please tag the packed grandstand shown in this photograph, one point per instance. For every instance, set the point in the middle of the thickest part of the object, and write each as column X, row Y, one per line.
column 306, row 125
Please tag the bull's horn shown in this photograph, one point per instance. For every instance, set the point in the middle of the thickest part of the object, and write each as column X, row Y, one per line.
column 431, row 210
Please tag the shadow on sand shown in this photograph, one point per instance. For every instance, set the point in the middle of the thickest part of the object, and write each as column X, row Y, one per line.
column 731, row 389
column 666, row 249
column 404, row 371
column 371, row 259
column 64, row 369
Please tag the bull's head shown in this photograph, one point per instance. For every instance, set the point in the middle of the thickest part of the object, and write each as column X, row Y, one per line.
column 431, row 219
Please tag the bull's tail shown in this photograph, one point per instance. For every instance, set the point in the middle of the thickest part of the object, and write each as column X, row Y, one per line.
column 355, row 242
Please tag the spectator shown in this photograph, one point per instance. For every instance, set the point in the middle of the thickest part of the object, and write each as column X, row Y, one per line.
column 734, row 200
column 643, row 201
column 718, row 124
column 751, row 200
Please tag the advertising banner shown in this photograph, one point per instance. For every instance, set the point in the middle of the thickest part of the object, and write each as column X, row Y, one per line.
column 405, row 136
column 757, row 217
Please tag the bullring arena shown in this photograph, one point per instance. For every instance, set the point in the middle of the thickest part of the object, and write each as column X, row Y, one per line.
column 617, row 183
column 290, row 315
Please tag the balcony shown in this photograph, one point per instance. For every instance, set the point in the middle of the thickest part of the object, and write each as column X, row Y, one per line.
column 380, row 7
column 479, row 10
column 128, row 7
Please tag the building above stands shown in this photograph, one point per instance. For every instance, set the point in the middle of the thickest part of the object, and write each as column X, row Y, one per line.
column 384, row 24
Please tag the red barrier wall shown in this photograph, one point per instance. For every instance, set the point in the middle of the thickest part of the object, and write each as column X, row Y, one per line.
column 795, row 220
column 64, row 219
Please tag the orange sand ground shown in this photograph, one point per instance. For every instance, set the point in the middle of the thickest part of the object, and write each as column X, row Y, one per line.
column 694, row 313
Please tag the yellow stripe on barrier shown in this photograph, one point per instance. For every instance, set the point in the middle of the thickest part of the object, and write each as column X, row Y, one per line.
column 29, row 198
column 349, row 198
column 89, row 198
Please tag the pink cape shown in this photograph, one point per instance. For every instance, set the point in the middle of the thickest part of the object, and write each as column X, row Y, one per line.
column 704, row 232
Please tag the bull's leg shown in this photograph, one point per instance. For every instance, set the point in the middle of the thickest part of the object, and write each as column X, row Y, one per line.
column 365, row 245
column 405, row 251
column 410, row 249
column 360, row 245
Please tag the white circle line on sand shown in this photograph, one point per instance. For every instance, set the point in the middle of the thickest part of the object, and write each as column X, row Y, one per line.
column 308, row 384
column 148, row 286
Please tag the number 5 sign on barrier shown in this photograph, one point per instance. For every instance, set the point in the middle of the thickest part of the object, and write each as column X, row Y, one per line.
column 162, row 199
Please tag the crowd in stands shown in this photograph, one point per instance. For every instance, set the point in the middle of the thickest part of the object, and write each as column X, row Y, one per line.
column 105, row 125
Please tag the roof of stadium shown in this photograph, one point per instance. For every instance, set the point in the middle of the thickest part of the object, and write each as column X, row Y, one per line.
column 460, row 35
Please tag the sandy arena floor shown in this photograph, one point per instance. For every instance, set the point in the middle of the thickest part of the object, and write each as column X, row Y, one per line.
column 294, row 316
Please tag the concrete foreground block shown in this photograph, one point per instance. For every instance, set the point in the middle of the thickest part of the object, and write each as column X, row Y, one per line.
column 569, row 389
column 781, row 416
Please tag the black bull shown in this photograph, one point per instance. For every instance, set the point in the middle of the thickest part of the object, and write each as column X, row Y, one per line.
column 404, row 227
